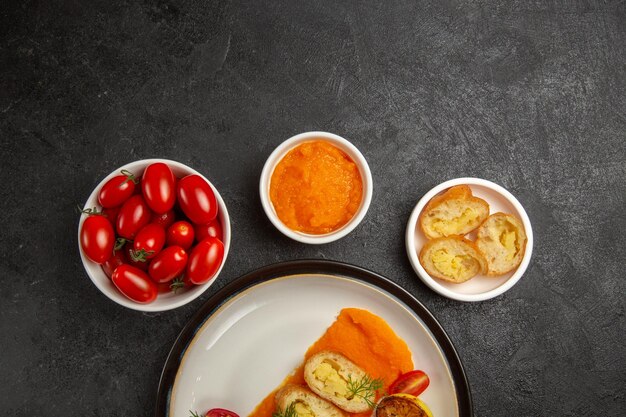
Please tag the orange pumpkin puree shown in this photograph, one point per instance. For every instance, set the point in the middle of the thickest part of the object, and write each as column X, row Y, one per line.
column 365, row 339
column 316, row 188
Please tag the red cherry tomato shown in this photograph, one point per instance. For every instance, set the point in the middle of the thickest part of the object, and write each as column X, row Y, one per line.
column 213, row 229
column 137, row 187
column 111, row 214
column 180, row 234
column 220, row 412
column 196, row 199
column 204, row 261
column 186, row 282
column 158, row 186
column 164, row 288
column 133, row 215
column 168, row 264
column 149, row 241
column 412, row 383
column 117, row 190
column 113, row 262
column 134, row 284
column 164, row 220
column 97, row 238
column 129, row 253
column 178, row 285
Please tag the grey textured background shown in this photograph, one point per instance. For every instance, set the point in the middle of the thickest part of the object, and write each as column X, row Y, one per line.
column 529, row 94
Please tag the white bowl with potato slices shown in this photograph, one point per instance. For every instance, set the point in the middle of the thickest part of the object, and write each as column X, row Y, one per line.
column 510, row 243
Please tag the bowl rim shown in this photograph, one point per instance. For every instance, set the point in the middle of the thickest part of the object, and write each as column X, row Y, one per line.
column 179, row 300
column 276, row 156
column 431, row 282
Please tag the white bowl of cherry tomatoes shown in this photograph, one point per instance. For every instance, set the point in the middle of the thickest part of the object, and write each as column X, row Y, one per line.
column 154, row 235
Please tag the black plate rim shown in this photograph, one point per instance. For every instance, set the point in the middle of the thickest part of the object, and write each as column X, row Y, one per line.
column 310, row 266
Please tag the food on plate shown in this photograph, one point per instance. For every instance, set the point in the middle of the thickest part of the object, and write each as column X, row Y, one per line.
column 366, row 340
column 180, row 234
column 148, row 242
column 134, row 284
column 454, row 259
column 137, row 240
column 413, row 383
column 196, row 199
column 216, row 412
column 158, row 187
column 204, row 260
column 455, row 212
column 502, row 241
column 498, row 248
column 97, row 238
column 402, row 405
column 316, row 188
column 298, row 401
column 134, row 214
column 337, row 379
column 117, row 190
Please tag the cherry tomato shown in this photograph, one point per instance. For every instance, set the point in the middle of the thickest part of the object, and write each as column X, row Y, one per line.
column 97, row 238
column 113, row 262
column 158, row 185
column 134, row 284
column 133, row 215
column 111, row 214
column 129, row 253
column 168, row 264
column 187, row 283
column 138, row 187
column 214, row 229
column 180, row 234
column 164, row 220
column 164, row 288
column 178, row 284
column 149, row 241
column 196, row 199
column 220, row 412
column 412, row 383
column 117, row 190
column 204, row 261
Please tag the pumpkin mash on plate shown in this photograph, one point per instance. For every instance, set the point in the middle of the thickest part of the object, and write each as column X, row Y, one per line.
column 363, row 338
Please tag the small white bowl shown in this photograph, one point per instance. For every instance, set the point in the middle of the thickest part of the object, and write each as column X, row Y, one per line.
column 281, row 151
column 481, row 287
column 164, row 301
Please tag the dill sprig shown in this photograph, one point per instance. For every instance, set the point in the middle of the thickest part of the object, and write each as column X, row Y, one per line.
column 365, row 388
column 287, row 412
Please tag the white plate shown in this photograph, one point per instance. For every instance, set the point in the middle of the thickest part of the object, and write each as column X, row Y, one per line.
column 481, row 287
column 233, row 355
